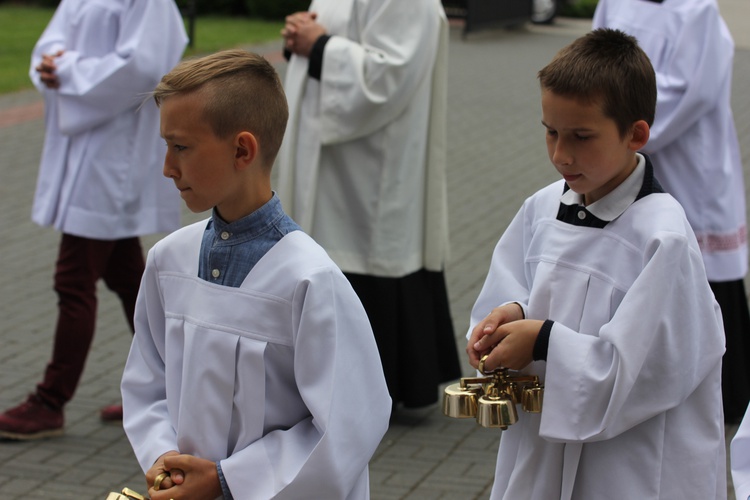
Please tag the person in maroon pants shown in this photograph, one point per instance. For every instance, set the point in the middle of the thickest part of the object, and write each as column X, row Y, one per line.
column 100, row 181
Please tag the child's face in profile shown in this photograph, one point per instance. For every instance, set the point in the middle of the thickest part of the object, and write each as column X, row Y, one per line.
column 585, row 146
column 200, row 163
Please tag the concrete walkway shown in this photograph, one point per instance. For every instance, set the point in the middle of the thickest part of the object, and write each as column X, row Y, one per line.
column 496, row 158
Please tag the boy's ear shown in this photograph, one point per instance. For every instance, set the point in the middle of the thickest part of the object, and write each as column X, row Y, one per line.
column 247, row 149
column 639, row 135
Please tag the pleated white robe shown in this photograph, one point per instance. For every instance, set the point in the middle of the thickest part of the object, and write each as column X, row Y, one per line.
column 100, row 174
column 693, row 143
column 362, row 166
column 740, row 460
column 279, row 379
column 632, row 403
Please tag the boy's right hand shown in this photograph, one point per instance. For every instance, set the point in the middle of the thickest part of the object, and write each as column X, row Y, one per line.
column 190, row 477
column 498, row 317
column 173, row 478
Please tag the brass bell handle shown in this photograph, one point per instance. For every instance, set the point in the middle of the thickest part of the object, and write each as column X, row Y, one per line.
column 481, row 369
column 127, row 494
column 481, row 364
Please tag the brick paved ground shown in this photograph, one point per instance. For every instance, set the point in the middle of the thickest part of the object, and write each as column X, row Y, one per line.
column 496, row 157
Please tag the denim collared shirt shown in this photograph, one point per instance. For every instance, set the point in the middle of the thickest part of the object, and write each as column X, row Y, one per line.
column 230, row 250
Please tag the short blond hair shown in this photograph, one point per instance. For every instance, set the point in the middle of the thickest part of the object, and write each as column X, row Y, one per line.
column 241, row 91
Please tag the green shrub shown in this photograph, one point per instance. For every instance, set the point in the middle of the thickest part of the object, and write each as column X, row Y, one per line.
column 30, row 3
column 20, row 27
column 213, row 7
column 264, row 9
column 579, row 8
column 275, row 9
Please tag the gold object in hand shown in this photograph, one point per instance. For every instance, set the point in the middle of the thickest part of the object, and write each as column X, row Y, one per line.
column 492, row 399
column 127, row 494
column 161, row 477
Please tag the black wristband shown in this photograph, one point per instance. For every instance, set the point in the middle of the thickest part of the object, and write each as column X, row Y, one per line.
column 542, row 341
column 315, row 67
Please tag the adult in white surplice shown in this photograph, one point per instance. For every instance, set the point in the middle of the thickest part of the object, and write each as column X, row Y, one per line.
column 100, row 181
column 696, row 153
column 362, row 170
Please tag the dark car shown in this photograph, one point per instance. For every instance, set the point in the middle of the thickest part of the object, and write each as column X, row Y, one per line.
column 485, row 13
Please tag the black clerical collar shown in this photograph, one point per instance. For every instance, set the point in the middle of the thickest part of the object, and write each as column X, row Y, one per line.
column 615, row 203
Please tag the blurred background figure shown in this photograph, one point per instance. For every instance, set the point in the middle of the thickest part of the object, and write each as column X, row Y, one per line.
column 696, row 155
column 100, row 178
column 362, row 170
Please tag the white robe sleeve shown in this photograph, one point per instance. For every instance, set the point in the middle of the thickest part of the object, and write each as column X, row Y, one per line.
column 145, row 412
column 663, row 341
column 740, row 459
column 506, row 280
column 695, row 73
column 100, row 77
column 600, row 15
column 366, row 84
column 340, row 379
column 690, row 72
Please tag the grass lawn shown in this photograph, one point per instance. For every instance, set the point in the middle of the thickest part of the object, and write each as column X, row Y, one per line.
column 217, row 33
column 20, row 27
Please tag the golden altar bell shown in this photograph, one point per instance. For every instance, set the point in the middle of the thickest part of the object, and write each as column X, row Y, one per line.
column 492, row 399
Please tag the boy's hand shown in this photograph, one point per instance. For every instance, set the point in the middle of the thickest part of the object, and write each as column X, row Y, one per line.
column 511, row 345
column 191, row 478
column 498, row 317
column 159, row 468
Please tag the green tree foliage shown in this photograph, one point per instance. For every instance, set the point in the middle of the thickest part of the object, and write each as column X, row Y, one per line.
column 31, row 3
column 275, row 9
column 264, row 9
column 579, row 8
column 217, row 7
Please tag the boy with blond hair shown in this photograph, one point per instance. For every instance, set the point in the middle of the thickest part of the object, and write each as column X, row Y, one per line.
column 253, row 371
column 598, row 287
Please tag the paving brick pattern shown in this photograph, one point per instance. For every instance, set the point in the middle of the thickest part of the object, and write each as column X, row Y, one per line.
column 496, row 158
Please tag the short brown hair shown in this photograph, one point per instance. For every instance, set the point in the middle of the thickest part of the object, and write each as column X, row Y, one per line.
column 605, row 66
column 242, row 93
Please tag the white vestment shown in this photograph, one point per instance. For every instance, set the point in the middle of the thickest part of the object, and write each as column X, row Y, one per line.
column 362, row 166
column 279, row 380
column 740, row 460
column 100, row 175
column 693, row 141
column 632, row 404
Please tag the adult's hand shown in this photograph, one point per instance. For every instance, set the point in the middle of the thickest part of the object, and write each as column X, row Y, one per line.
column 47, row 70
column 301, row 32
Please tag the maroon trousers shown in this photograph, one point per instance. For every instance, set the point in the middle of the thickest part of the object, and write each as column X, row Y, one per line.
column 80, row 264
